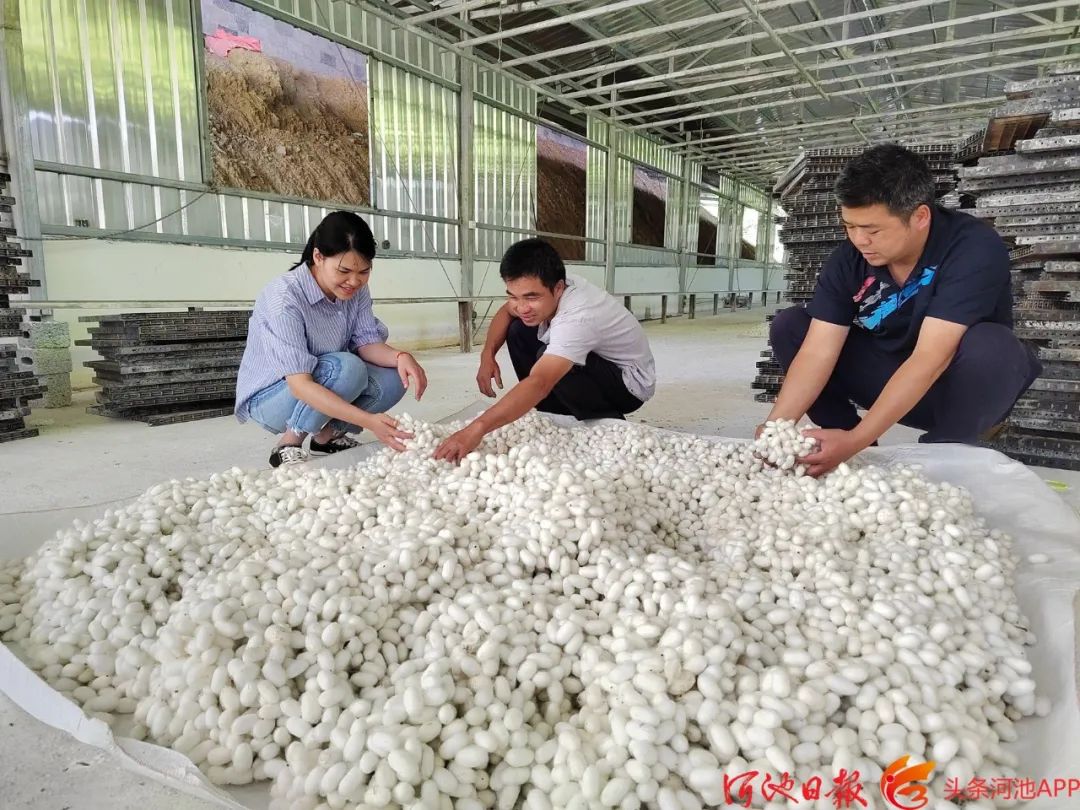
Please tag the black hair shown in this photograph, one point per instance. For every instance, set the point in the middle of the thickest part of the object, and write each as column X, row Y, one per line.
column 888, row 174
column 339, row 232
column 533, row 258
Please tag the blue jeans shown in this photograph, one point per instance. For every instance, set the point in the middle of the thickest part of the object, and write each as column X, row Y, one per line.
column 371, row 388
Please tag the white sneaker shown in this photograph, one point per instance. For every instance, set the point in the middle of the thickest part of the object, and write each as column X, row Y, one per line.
column 287, row 455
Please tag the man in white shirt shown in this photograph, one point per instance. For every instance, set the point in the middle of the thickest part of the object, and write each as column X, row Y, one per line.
column 575, row 349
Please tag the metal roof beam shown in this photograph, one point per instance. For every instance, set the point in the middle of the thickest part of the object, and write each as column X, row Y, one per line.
column 886, row 44
column 950, row 136
column 941, row 130
column 885, row 114
column 892, row 86
column 956, row 130
column 677, row 25
column 563, row 19
column 1026, row 12
column 598, row 70
column 783, row 46
column 733, row 80
column 754, row 142
column 522, row 7
column 594, row 71
column 447, row 11
column 841, row 52
column 742, row 77
column 889, row 71
column 592, row 31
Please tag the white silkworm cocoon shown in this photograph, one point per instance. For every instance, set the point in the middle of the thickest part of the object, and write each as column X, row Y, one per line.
column 601, row 617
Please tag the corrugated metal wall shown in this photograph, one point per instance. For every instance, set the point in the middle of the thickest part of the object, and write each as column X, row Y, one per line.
column 112, row 85
column 354, row 25
column 115, row 97
column 504, row 161
column 638, row 149
column 727, row 225
column 414, row 144
column 684, row 222
column 622, row 208
column 753, row 198
column 649, row 152
column 595, row 172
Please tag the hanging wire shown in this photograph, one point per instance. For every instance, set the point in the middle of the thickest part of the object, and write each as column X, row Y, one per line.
column 76, row 237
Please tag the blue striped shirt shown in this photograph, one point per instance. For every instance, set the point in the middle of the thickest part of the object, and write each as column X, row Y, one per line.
column 292, row 324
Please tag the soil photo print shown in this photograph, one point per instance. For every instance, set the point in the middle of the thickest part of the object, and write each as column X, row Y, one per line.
column 288, row 110
column 560, row 190
column 650, row 207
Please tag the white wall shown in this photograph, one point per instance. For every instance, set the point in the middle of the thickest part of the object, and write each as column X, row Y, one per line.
column 707, row 279
column 594, row 274
column 95, row 269
column 647, row 279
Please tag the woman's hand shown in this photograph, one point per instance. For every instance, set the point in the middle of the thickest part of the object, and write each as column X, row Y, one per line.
column 384, row 427
column 410, row 370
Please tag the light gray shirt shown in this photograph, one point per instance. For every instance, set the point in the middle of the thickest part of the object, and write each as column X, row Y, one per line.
column 292, row 324
column 590, row 320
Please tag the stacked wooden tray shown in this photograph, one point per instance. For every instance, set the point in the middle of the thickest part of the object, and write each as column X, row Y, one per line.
column 17, row 387
column 1032, row 196
column 167, row 367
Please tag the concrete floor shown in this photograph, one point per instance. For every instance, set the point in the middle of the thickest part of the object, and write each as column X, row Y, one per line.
column 82, row 464
column 46, row 769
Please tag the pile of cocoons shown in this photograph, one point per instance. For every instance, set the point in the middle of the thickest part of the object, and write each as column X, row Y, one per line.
column 781, row 444
column 601, row 617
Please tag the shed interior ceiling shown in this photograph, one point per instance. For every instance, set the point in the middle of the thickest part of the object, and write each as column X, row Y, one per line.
column 748, row 83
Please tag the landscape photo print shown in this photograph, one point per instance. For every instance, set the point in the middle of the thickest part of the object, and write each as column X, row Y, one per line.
column 288, row 110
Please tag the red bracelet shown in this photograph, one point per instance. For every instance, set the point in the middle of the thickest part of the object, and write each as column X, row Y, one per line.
column 397, row 357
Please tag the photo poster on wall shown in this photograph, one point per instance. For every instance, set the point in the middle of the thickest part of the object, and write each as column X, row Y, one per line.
column 560, row 189
column 650, row 207
column 288, row 110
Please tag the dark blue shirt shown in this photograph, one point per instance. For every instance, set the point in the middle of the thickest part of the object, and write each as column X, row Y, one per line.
column 963, row 276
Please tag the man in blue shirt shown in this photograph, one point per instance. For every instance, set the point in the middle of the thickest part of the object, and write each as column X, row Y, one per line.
column 911, row 320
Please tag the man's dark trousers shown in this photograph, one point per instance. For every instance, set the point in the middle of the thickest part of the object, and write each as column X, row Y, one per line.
column 593, row 391
column 989, row 372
